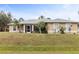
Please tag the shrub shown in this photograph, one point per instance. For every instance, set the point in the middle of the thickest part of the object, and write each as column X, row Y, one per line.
column 40, row 27
column 62, row 30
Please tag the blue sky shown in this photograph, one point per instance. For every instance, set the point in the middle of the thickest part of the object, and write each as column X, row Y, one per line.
column 33, row 11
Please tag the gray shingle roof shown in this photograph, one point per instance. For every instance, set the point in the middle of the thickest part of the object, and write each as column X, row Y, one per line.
column 35, row 21
column 62, row 20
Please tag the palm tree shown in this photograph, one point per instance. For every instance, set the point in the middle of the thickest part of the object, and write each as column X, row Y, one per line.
column 21, row 19
column 41, row 17
column 41, row 25
column 9, row 16
column 17, row 23
column 20, row 25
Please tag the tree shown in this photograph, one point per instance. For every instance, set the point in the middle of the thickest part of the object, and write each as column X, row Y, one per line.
column 17, row 23
column 9, row 16
column 5, row 18
column 48, row 18
column 21, row 19
column 41, row 17
column 41, row 26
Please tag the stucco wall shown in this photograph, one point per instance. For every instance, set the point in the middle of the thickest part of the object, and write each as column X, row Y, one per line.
column 50, row 27
column 62, row 24
column 11, row 29
column 74, row 28
column 22, row 29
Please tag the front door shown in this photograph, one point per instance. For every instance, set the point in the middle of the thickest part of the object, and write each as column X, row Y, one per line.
column 28, row 28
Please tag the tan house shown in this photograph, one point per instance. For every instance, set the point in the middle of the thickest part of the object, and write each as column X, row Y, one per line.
column 53, row 25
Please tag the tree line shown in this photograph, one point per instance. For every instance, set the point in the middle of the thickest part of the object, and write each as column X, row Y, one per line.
column 5, row 19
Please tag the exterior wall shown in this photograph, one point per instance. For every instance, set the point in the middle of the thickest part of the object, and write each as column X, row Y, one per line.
column 50, row 27
column 62, row 24
column 74, row 28
column 78, row 27
column 55, row 27
column 21, row 29
column 11, row 29
column 17, row 29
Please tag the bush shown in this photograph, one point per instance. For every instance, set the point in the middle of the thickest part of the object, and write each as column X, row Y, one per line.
column 36, row 29
column 62, row 30
column 40, row 27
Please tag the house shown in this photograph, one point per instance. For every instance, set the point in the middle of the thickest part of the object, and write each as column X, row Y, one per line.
column 53, row 25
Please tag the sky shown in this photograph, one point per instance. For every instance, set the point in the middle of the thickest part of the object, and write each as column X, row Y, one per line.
column 33, row 11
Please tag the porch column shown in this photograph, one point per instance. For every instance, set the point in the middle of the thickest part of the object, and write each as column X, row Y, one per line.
column 24, row 28
column 32, row 28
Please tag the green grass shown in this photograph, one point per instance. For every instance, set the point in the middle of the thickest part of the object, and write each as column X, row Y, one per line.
column 38, row 43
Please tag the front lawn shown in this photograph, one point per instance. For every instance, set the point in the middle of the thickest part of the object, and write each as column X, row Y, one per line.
column 38, row 43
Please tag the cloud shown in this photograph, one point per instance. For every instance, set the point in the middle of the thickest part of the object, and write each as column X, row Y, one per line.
column 64, row 11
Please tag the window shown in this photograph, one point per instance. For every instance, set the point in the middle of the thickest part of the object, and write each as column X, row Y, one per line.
column 78, row 25
column 14, row 28
column 56, row 27
column 70, row 27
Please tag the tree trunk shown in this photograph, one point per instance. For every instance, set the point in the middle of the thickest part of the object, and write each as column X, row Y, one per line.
column 5, row 29
column 19, row 29
column 39, row 29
